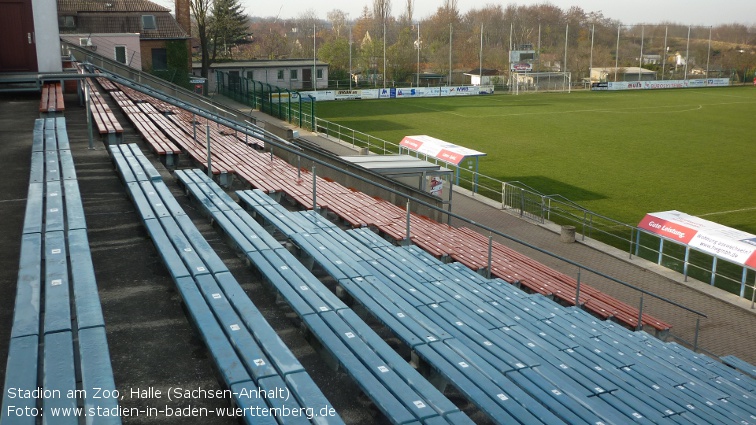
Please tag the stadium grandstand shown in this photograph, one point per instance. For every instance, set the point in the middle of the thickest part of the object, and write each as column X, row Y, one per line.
column 167, row 259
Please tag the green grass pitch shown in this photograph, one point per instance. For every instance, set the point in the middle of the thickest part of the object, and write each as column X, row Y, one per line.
column 620, row 154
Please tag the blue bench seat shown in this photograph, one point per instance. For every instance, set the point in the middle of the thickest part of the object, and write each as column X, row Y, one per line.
column 97, row 373
column 88, row 308
column 21, row 373
column 367, row 376
column 58, row 374
column 496, row 402
column 56, row 293
column 227, row 362
column 26, row 311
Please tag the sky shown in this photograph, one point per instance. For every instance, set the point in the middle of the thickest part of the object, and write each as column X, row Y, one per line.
column 690, row 12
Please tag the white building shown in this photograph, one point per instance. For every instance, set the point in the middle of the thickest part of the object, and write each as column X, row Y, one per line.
column 291, row 74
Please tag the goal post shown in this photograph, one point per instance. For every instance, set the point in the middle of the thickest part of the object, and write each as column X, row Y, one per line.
column 533, row 82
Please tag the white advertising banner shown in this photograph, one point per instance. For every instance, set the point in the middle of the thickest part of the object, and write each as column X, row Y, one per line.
column 348, row 94
column 721, row 241
column 439, row 149
column 395, row 93
column 665, row 84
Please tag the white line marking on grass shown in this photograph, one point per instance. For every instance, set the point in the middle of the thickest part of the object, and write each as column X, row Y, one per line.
column 440, row 111
column 727, row 212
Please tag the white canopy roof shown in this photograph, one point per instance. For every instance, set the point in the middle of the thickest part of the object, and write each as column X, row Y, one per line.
column 721, row 241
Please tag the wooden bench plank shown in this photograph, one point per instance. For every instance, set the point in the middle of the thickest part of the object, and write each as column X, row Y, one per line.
column 252, row 404
column 57, row 297
column 52, row 166
column 59, row 104
column 212, row 262
column 35, row 206
column 401, row 323
column 75, row 218
column 21, row 373
column 86, row 295
column 186, row 251
column 489, row 399
column 277, row 351
column 97, row 374
column 430, row 395
column 26, row 309
column 365, row 379
column 255, row 360
column 59, row 375
column 224, row 357
column 276, row 385
column 45, row 97
column 164, row 248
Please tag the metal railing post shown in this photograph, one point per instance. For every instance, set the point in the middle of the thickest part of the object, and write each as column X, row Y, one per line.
column 686, row 263
column 490, row 250
column 314, row 189
column 522, row 201
column 407, row 240
column 632, row 231
column 695, row 337
column 640, row 314
column 89, row 114
column 583, row 235
column 194, row 127
column 209, row 151
column 577, row 290
column 299, row 169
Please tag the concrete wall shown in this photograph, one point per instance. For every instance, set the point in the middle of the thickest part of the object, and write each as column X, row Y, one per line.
column 47, row 35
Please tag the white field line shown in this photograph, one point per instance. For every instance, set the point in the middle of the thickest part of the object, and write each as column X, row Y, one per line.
column 727, row 212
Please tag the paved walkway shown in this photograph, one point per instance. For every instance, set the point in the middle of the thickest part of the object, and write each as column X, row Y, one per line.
column 730, row 325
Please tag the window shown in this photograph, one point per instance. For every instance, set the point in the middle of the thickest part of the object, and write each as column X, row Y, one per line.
column 159, row 60
column 280, row 75
column 120, row 54
column 148, row 22
column 67, row 22
column 85, row 41
column 319, row 74
column 294, row 74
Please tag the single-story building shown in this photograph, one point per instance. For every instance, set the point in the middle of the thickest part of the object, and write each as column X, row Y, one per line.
column 291, row 74
column 627, row 73
column 483, row 76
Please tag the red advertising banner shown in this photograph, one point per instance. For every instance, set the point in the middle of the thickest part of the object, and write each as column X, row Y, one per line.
column 667, row 229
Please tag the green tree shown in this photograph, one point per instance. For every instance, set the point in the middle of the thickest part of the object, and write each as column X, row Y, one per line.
column 336, row 53
column 228, row 26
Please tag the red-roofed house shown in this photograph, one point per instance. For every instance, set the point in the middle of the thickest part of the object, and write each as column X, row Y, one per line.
column 112, row 27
